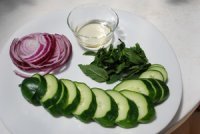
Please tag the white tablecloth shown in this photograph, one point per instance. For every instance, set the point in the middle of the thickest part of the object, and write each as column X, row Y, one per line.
column 178, row 20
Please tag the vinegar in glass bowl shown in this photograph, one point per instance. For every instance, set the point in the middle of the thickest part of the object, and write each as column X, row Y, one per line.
column 95, row 34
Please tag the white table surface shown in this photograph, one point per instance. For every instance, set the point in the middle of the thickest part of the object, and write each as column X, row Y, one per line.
column 178, row 20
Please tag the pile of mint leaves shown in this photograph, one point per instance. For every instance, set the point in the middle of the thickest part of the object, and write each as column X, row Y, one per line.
column 114, row 64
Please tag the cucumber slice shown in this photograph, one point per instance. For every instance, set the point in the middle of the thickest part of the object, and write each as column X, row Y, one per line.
column 107, row 110
column 53, row 92
column 29, row 88
column 73, row 97
column 157, row 90
column 165, row 91
column 134, row 85
column 152, row 74
column 152, row 90
column 157, row 65
column 42, row 87
column 87, row 106
column 144, row 105
column 127, row 110
column 161, row 69
column 56, row 109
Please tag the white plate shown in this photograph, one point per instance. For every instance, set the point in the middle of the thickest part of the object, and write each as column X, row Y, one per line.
column 20, row 117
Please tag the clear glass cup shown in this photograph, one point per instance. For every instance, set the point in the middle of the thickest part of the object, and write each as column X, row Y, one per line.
column 93, row 25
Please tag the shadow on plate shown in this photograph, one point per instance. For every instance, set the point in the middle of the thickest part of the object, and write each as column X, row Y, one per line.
column 178, row 2
column 10, row 5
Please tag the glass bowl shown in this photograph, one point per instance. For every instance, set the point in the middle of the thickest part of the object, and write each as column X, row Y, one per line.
column 93, row 25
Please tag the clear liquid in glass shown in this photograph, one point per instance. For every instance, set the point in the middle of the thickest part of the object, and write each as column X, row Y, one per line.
column 94, row 34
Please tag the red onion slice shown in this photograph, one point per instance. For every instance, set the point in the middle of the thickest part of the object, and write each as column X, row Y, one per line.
column 40, row 52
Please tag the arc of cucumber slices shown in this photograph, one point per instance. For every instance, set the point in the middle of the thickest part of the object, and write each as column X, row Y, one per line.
column 129, row 103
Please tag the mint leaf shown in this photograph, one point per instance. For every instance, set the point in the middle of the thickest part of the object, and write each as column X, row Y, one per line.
column 133, row 56
column 94, row 72
column 120, row 67
column 90, row 53
column 113, row 78
column 116, row 63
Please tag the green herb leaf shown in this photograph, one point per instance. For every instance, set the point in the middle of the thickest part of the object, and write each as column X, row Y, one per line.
column 121, row 67
column 94, row 72
column 113, row 78
column 135, row 71
column 91, row 53
column 117, row 63
column 132, row 56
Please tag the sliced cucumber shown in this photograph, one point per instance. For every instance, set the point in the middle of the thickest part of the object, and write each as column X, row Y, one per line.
column 134, row 85
column 161, row 69
column 157, row 90
column 144, row 105
column 42, row 87
column 107, row 110
column 127, row 110
column 165, row 91
column 87, row 106
column 53, row 92
column 152, row 90
column 57, row 109
column 157, row 65
column 29, row 88
column 73, row 97
column 152, row 74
